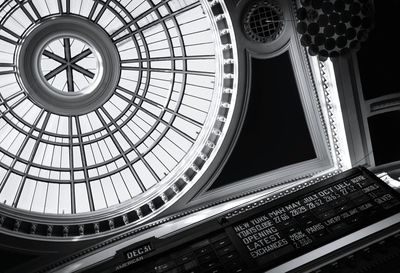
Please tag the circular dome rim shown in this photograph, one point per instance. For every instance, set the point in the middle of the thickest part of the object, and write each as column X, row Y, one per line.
column 227, row 92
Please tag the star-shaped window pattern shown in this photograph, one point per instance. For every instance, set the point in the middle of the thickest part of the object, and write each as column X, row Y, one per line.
column 70, row 68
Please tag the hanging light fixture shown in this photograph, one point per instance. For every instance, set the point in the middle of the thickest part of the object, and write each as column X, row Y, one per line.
column 331, row 28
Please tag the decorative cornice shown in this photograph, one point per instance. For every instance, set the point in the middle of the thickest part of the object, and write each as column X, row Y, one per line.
column 337, row 146
column 279, row 195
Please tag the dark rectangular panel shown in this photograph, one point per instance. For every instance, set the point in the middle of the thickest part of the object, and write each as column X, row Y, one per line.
column 278, row 233
column 275, row 132
column 378, row 57
column 11, row 259
column 385, row 137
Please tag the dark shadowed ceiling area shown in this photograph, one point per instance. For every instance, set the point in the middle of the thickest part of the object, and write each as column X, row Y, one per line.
column 378, row 56
column 275, row 132
column 377, row 61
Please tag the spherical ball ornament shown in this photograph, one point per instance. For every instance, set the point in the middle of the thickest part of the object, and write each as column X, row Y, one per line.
column 339, row 5
column 312, row 15
column 345, row 16
column 355, row 8
column 322, row 58
column 355, row 21
column 301, row 13
column 334, row 18
column 305, row 3
column 340, row 29
column 327, row 7
column 351, row 33
column 330, row 44
column 306, row 40
column 341, row 41
column 333, row 28
column 329, row 31
column 263, row 21
column 316, row 4
column 313, row 28
column 334, row 54
column 301, row 27
column 323, row 55
column 323, row 20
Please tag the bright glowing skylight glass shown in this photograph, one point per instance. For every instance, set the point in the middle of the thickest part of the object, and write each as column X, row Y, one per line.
column 150, row 127
column 68, row 64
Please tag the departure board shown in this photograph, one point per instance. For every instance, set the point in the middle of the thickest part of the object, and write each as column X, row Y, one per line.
column 319, row 215
column 267, row 236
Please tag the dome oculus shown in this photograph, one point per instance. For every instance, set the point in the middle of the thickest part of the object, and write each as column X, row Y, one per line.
column 77, row 77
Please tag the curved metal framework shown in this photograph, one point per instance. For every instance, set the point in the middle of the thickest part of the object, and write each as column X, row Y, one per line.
column 263, row 22
column 77, row 77
column 63, row 174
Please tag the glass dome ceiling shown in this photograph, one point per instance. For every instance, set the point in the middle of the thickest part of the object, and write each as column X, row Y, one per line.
column 107, row 101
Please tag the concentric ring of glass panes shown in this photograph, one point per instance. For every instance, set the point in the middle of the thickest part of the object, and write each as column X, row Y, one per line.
column 146, row 136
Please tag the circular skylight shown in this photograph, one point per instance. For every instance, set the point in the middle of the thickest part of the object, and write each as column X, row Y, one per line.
column 68, row 72
column 102, row 102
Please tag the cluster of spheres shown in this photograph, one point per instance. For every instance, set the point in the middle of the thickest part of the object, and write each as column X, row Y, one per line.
column 332, row 28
